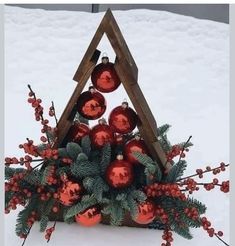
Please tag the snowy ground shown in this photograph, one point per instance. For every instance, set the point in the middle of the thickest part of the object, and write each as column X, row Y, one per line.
column 183, row 71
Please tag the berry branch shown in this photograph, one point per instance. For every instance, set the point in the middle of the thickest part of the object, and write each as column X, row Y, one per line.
column 183, row 149
column 200, row 172
column 221, row 239
column 39, row 112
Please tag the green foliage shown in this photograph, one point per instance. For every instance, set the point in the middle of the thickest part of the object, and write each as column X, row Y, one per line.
column 86, row 145
column 22, row 226
column 43, row 223
column 176, row 171
column 44, row 210
column 82, row 167
column 8, row 197
column 151, row 167
column 99, row 187
column 116, row 212
column 165, row 143
column 9, row 172
column 86, row 202
column 45, row 175
column 105, row 158
column 192, row 202
column 73, row 149
column 33, row 178
column 163, row 129
column 62, row 152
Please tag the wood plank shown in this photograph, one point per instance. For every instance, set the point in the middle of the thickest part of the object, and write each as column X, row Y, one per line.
column 119, row 44
column 65, row 121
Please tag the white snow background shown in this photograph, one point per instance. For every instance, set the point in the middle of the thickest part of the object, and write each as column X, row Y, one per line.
column 183, row 71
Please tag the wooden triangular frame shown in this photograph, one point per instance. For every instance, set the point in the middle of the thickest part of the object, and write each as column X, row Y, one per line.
column 128, row 73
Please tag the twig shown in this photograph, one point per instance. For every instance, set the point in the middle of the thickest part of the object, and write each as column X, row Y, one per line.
column 53, row 230
column 183, row 149
column 221, row 240
column 53, row 107
column 26, row 236
column 22, row 162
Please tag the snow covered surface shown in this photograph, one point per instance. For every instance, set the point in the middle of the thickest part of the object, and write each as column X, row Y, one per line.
column 184, row 74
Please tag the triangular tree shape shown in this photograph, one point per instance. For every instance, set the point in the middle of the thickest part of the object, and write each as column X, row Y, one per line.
column 128, row 73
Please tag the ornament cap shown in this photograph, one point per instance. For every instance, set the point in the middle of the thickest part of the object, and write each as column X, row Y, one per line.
column 105, row 59
column 120, row 157
column 137, row 136
column 91, row 89
column 125, row 104
column 102, row 121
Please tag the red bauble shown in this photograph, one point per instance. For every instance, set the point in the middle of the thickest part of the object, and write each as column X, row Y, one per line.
column 69, row 193
column 77, row 132
column 104, row 77
column 119, row 173
column 123, row 119
column 146, row 213
column 101, row 134
column 89, row 217
column 134, row 145
column 91, row 104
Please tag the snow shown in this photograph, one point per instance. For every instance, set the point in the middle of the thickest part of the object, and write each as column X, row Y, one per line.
column 184, row 74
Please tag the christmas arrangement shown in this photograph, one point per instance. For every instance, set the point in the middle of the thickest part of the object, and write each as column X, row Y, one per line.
column 106, row 173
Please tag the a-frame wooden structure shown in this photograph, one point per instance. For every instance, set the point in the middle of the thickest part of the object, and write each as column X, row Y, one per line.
column 128, row 73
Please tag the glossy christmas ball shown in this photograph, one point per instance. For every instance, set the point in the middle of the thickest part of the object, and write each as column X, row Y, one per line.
column 101, row 135
column 91, row 104
column 119, row 173
column 104, row 77
column 123, row 119
column 77, row 132
column 134, row 145
column 89, row 217
column 146, row 213
column 69, row 193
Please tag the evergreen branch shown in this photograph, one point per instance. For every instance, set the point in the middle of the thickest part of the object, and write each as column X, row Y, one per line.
column 73, row 150
column 87, row 201
column 176, row 171
column 86, row 145
column 106, row 157
column 163, row 129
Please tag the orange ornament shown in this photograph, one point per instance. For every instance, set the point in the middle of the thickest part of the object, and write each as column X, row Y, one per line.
column 89, row 217
column 101, row 134
column 91, row 104
column 77, row 132
column 134, row 145
column 69, row 193
column 119, row 173
column 146, row 213
column 123, row 119
column 104, row 77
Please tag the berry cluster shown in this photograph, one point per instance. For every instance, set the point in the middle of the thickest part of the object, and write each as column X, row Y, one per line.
column 167, row 236
column 175, row 151
column 49, row 232
column 161, row 214
column 190, row 185
column 30, row 148
column 157, row 189
column 51, row 177
column 31, row 219
column 192, row 213
column 49, row 154
column 67, row 160
column 206, row 224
